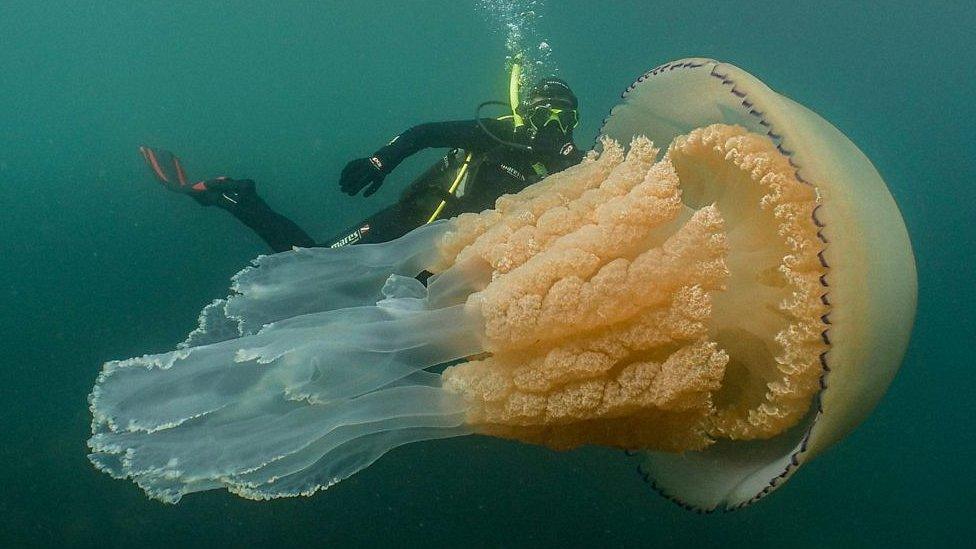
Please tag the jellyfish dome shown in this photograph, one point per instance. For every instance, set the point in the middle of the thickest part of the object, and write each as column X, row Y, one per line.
column 725, row 286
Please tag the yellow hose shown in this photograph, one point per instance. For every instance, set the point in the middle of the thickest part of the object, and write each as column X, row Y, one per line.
column 454, row 186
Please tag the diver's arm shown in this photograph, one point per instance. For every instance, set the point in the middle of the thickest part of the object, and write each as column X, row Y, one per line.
column 369, row 173
column 460, row 134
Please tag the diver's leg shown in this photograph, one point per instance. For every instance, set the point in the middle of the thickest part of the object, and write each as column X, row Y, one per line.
column 242, row 201
column 388, row 224
column 236, row 196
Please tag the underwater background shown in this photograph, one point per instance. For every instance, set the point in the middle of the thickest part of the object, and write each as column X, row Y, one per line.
column 98, row 262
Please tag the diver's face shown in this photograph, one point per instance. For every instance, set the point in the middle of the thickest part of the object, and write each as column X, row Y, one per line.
column 552, row 125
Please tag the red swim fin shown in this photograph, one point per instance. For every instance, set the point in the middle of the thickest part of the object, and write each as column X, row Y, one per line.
column 167, row 168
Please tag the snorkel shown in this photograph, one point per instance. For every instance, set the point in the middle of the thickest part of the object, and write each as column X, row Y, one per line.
column 514, row 85
column 514, row 102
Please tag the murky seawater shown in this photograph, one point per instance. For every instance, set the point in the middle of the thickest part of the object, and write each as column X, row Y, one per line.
column 97, row 262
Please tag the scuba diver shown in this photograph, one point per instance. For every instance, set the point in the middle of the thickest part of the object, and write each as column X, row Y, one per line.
column 489, row 157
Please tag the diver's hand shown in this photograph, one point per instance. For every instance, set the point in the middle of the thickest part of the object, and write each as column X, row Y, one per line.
column 361, row 172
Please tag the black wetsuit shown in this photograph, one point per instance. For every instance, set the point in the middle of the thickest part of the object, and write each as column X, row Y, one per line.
column 492, row 170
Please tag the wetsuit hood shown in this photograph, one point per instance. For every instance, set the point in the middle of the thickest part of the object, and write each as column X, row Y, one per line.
column 554, row 92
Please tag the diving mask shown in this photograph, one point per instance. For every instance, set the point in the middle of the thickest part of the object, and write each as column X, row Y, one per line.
column 541, row 115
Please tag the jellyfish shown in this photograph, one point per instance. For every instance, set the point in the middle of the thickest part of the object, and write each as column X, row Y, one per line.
column 724, row 286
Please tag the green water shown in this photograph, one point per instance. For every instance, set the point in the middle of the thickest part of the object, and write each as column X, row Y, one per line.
column 97, row 262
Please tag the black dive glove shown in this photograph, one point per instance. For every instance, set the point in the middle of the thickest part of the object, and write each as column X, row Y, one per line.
column 361, row 172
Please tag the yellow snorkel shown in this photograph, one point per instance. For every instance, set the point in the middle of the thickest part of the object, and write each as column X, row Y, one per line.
column 514, row 103
column 514, row 82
